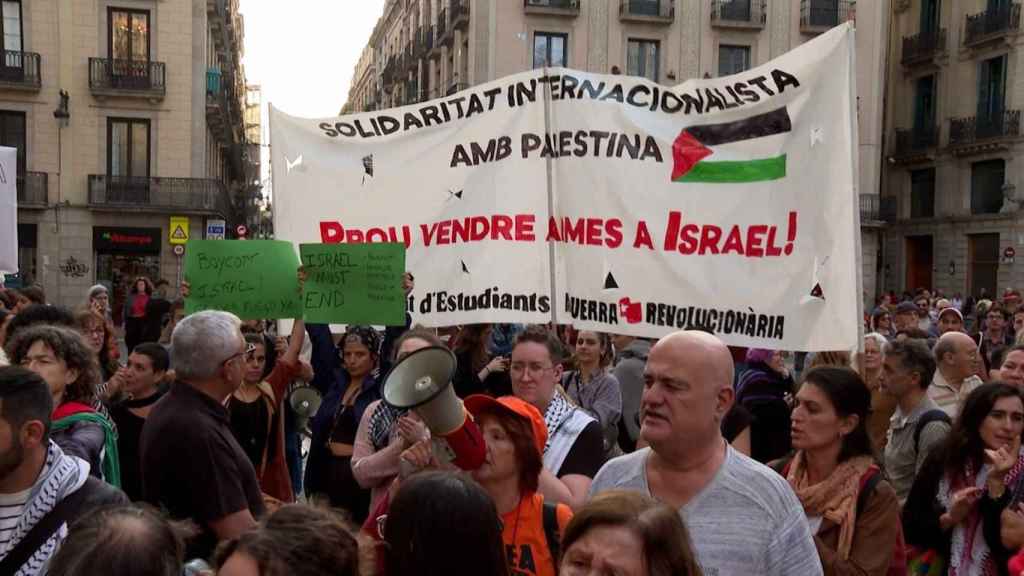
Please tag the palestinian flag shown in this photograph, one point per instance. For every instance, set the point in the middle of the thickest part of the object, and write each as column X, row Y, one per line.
column 691, row 148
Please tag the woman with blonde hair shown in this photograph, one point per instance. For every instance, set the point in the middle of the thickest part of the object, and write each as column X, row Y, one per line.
column 630, row 534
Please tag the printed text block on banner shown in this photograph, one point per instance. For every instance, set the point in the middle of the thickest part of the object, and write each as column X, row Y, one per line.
column 254, row 279
column 354, row 283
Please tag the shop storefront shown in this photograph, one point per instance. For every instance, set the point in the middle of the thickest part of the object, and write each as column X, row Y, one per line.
column 122, row 255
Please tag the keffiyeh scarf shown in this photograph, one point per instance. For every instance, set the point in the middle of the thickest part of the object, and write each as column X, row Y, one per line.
column 61, row 476
column 969, row 552
column 559, row 410
column 381, row 422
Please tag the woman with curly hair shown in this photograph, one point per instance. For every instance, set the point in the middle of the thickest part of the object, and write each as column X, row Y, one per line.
column 99, row 334
column 63, row 359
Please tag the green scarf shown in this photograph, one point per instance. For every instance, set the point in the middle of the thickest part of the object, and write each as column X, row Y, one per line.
column 111, row 461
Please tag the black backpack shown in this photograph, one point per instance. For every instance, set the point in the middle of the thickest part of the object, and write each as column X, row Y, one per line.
column 934, row 415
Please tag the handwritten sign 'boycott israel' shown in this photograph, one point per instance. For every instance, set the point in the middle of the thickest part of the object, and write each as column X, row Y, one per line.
column 608, row 202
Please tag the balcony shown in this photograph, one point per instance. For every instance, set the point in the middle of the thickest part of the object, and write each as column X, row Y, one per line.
column 32, row 188
column 172, row 195
column 991, row 25
column 980, row 134
column 876, row 210
column 648, row 11
column 915, row 144
column 387, row 78
column 460, row 14
column 444, row 32
column 817, row 16
column 923, row 47
column 569, row 8
column 115, row 77
column 19, row 70
column 433, row 43
column 738, row 13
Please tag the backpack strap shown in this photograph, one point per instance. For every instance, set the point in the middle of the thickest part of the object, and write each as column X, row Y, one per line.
column 551, row 531
column 868, row 482
column 65, row 511
column 925, row 419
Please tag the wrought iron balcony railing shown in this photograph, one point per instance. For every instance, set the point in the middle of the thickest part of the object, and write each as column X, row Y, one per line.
column 923, row 46
column 991, row 24
column 553, row 7
column 111, row 77
column 32, row 188
column 19, row 70
column 916, row 141
column 977, row 129
column 742, row 13
column 204, row 195
column 820, row 15
column 663, row 11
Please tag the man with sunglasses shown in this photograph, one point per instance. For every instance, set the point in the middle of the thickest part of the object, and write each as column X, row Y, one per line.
column 192, row 466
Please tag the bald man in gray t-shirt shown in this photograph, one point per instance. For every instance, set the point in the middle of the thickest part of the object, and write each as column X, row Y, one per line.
column 743, row 518
column 747, row 521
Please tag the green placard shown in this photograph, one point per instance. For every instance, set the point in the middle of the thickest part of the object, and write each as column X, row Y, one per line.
column 354, row 283
column 254, row 279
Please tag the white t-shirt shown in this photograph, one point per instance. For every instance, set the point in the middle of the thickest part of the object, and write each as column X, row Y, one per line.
column 11, row 506
column 746, row 521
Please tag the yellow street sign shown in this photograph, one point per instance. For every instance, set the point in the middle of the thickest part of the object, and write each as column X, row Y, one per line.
column 179, row 230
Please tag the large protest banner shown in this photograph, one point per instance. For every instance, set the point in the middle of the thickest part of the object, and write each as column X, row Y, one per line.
column 8, row 210
column 607, row 202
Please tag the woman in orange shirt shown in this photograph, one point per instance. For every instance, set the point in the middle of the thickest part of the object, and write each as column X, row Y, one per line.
column 515, row 435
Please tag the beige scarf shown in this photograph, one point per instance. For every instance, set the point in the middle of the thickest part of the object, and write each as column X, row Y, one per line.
column 835, row 498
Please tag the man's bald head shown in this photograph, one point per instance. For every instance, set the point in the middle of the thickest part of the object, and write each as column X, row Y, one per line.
column 716, row 354
column 687, row 391
column 956, row 355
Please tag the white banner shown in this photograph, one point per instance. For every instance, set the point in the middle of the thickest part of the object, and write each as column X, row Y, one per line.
column 608, row 202
column 8, row 210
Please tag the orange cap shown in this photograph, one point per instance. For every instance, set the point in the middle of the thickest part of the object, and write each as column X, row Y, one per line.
column 479, row 403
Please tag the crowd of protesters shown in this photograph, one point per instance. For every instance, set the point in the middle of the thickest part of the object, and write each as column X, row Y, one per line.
column 147, row 441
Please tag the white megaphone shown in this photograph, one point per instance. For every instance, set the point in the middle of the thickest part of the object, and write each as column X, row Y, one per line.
column 422, row 382
column 305, row 401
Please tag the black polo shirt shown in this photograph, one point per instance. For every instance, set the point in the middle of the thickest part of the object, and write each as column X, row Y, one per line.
column 192, row 467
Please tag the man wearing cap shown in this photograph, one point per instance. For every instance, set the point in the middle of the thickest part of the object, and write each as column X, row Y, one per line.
column 743, row 518
column 906, row 316
column 950, row 320
column 515, row 434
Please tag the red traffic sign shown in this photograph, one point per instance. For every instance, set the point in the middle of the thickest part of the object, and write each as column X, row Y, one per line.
column 1009, row 252
column 241, row 230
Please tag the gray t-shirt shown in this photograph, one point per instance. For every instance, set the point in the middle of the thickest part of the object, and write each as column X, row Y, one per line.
column 746, row 521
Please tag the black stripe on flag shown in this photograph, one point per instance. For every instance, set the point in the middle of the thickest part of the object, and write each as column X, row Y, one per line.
column 767, row 124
